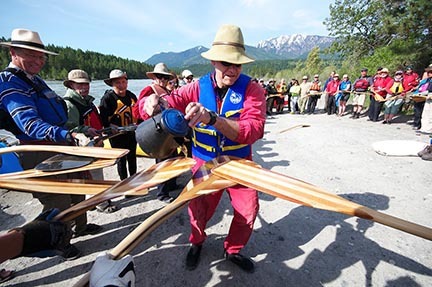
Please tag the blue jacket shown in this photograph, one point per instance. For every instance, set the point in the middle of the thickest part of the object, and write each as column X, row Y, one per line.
column 38, row 115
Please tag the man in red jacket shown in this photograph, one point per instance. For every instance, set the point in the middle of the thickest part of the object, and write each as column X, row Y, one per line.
column 227, row 112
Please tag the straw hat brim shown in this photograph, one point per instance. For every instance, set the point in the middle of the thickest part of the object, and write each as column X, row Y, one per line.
column 9, row 44
column 67, row 83
column 152, row 75
column 226, row 53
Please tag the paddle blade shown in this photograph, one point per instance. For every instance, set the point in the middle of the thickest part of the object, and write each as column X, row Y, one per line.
column 297, row 191
column 154, row 175
column 63, row 162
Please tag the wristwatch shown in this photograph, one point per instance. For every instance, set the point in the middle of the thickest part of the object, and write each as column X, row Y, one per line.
column 213, row 118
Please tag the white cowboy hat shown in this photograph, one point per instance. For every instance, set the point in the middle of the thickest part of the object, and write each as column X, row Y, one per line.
column 115, row 74
column 159, row 69
column 26, row 39
column 228, row 46
column 76, row 76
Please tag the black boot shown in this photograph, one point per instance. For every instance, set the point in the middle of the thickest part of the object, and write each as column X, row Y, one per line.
column 241, row 261
column 192, row 258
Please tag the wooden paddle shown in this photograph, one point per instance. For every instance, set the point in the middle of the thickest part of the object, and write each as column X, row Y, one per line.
column 98, row 163
column 203, row 182
column 97, row 152
column 154, row 175
column 297, row 191
column 294, row 127
column 62, row 186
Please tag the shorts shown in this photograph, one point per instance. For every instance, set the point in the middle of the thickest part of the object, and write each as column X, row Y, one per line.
column 359, row 99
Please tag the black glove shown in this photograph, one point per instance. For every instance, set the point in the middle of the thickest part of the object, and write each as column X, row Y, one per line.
column 44, row 234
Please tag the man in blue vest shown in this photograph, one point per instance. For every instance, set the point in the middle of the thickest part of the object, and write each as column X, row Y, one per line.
column 37, row 116
column 227, row 113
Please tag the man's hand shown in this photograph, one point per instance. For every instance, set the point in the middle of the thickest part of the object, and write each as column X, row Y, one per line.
column 153, row 103
column 92, row 132
column 196, row 113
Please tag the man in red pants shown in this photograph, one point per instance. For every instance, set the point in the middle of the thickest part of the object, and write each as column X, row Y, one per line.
column 226, row 109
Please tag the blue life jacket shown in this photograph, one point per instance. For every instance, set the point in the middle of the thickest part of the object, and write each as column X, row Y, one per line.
column 209, row 143
column 9, row 162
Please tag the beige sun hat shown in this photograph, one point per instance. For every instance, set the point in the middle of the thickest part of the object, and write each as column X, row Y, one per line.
column 76, row 76
column 115, row 74
column 26, row 39
column 160, row 69
column 228, row 46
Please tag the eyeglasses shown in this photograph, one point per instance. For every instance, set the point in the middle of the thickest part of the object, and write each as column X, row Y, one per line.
column 172, row 82
column 189, row 78
column 162, row 77
column 32, row 57
column 227, row 64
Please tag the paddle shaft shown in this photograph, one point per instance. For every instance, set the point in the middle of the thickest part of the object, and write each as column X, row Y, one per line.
column 309, row 195
column 97, row 152
column 97, row 164
column 294, row 127
column 201, row 183
column 60, row 186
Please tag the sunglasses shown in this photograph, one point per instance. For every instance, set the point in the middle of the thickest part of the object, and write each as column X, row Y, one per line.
column 227, row 64
column 172, row 82
column 162, row 77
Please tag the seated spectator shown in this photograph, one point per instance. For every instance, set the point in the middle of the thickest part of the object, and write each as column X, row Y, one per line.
column 394, row 100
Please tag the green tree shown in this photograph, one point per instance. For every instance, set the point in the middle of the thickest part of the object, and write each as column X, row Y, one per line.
column 399, row 31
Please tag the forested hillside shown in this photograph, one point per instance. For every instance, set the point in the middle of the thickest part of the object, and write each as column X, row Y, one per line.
column 96, row 64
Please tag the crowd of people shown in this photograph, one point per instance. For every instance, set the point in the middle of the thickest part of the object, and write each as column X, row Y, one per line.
column 387, row 94
column 225, row 110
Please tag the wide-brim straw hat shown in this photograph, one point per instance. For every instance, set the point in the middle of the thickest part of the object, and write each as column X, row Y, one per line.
column 115, row 74
column 76, row 76
column 228, row 46
column 160, row 69
column 26, row 39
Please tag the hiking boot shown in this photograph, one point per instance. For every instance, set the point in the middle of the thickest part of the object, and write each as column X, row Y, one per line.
column 192, row 258
column 426, row 150
column 89, row 230
column 241, row 261
column 427, row 156
column 106, row 207
column 70, row 252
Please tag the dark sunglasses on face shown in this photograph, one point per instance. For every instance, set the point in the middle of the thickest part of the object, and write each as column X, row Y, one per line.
column 162, row 77
column 227, row 64
column 172, row 82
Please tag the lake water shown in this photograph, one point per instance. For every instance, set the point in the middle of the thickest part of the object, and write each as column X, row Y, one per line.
column 98, row 88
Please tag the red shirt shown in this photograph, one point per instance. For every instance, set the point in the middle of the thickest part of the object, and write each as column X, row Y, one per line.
column 332, row 87
column 410, row 81
column 382, row 85
column 252, row 118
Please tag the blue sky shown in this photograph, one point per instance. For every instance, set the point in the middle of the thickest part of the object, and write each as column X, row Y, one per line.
column 138, row 29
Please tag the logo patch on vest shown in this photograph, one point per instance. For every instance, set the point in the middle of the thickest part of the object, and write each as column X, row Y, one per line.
column 235, row 98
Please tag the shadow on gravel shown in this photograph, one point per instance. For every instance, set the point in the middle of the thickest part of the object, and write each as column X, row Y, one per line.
column 289, row 237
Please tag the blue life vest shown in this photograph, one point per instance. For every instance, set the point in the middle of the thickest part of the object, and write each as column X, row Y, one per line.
column 208, row 143
column 9, row 162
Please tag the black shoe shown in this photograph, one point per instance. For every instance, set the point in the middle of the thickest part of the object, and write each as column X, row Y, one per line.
column 70, row 252
column 166, row 198
column 192, row 258
column 241, row 261
column 90, row 230
column 384, row 122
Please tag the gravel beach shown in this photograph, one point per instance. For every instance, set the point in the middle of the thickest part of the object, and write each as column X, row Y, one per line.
column 292, row 245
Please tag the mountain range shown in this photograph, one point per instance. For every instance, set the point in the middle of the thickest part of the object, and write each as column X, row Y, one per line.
column 295, row 46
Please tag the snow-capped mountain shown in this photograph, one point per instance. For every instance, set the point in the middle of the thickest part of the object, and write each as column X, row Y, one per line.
column 283, row 47
column 294, row 46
